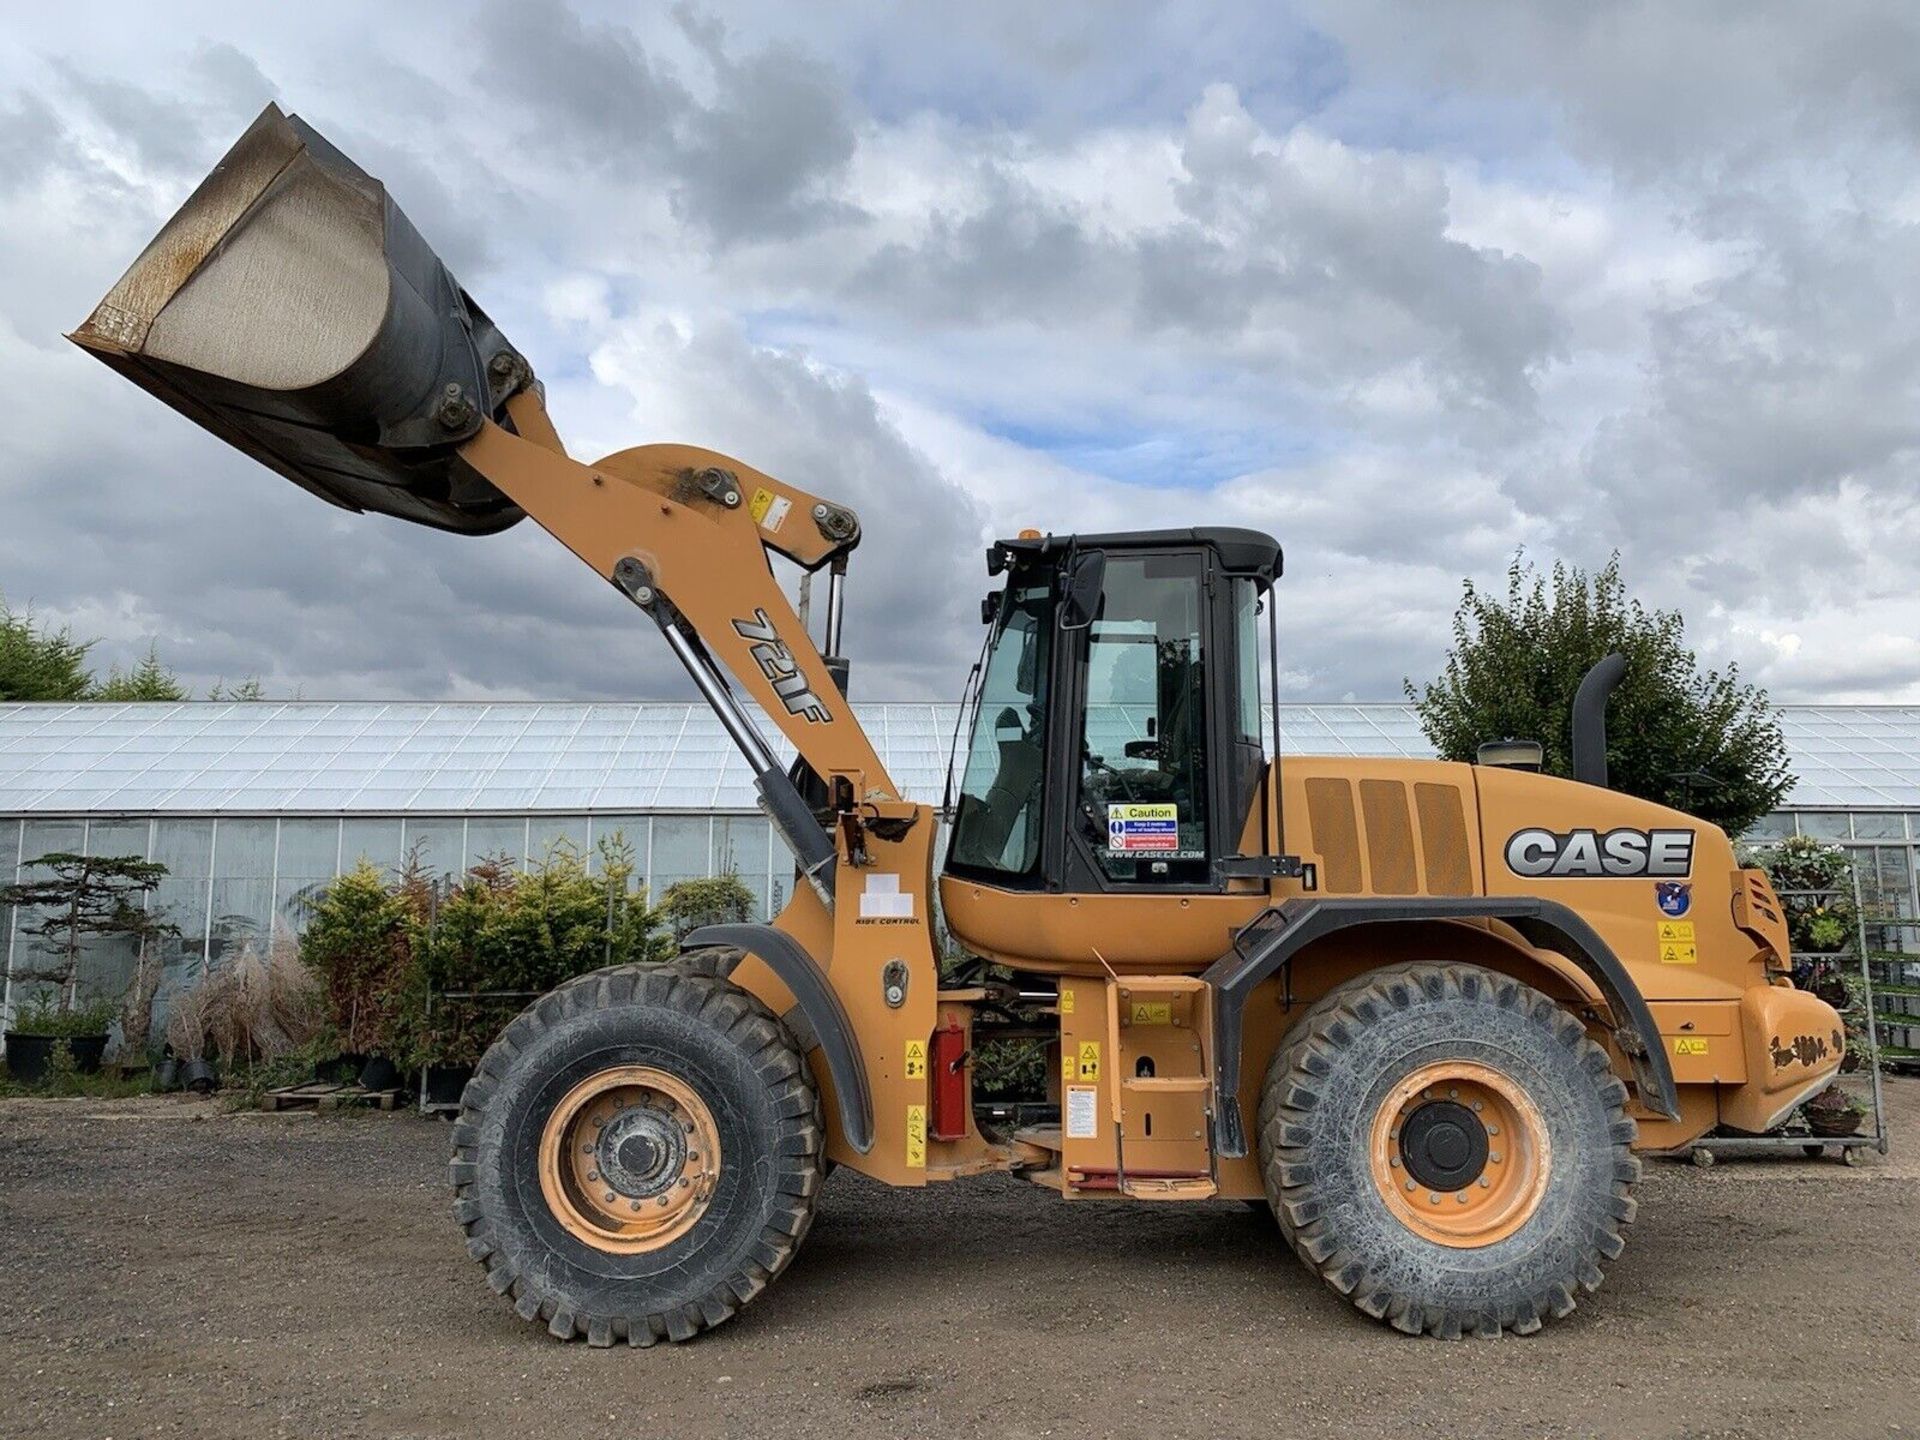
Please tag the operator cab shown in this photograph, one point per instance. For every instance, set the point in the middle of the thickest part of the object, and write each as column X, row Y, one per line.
column 1116, row 732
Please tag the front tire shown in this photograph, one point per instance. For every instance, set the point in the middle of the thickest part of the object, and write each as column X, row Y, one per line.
column 1445, row 1147
column 637, row 1155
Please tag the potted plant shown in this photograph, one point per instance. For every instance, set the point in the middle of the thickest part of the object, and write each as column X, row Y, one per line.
column 359, row 940
column 1833, row 1112
column 188, row 1022
column 78, row 897
column 44, row 1028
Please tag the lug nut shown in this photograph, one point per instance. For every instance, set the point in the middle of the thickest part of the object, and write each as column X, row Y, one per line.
column 663, row 1200
column 1494, row 1157
column 1433, row 1197
column 1413, row 1184
column 1484, row 1182
column 633, row 1204
column 1461, row 1197
column 1493, row 1129
column 1394, row 1161
column 609, row 1197
column 1478, row 1107
column 593, row 1175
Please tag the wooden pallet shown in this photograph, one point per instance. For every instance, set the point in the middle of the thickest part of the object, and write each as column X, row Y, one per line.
column 322, row 1096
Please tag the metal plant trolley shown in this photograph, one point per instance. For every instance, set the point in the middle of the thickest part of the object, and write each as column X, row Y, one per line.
column 1862, row 1084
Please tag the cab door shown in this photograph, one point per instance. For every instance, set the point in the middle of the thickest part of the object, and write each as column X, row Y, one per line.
column 1147, row 760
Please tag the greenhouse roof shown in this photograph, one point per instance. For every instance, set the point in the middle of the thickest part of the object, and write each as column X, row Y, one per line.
column 358, row 757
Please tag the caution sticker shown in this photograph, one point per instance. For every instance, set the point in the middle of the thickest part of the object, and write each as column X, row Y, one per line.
column 1088, row 1065
column 1690, row 1045
column 1083, row 1112
column 1066, row 1001
column 1676, row 932
column 1672, row 954
column 1152, row 1012
column 1066, row 1065
column 1143, row 827
column 917, row 1137
column 769, row 510
column 916, row 1059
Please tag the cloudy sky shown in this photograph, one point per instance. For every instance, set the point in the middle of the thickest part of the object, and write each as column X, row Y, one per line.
column 1408, row 287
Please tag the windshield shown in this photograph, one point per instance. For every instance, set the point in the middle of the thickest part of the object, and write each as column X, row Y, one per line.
column 996, row 825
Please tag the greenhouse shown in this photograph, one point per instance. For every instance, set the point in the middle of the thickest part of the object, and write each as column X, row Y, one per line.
column 253, row 807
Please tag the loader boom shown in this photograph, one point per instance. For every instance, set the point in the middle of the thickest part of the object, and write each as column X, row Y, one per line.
column 684, row 533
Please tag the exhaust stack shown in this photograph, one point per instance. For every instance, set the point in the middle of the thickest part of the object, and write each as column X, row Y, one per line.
column 293, row 310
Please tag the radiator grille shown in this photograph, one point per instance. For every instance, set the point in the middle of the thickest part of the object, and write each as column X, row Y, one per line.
column 1443, row 839
column 1335, row 836
column 1389, row 837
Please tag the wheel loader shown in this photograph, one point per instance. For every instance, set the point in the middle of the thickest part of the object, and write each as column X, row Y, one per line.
column 1427, row 1013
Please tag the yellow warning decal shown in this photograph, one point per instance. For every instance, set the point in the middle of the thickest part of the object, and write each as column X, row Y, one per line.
column 916, row 1059
column 769, row 511
column 1066, row 1001
column 916, row 1137
column 1089, row 1064
column 1152, row 1012
column 1679, row 955
column 1676, row 932
column 1690, row 1045
column 1066, row 1065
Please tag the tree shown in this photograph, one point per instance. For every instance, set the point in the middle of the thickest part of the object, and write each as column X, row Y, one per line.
column 249, row 689
column 85, row 895
column 149, row 680
column 40, row 664
column 1695, row 739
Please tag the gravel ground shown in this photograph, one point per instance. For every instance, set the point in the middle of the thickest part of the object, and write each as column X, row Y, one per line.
column 168, row 1269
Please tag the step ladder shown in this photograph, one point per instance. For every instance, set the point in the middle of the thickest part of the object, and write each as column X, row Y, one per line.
column 1163, row 1005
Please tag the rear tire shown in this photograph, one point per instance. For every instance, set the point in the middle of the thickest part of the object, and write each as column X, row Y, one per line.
column 683, row 1054
column 1444, row 1146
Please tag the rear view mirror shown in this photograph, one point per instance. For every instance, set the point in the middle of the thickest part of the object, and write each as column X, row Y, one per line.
column 1086, row 577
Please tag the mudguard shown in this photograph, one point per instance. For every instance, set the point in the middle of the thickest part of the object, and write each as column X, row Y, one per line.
column 1276, row 935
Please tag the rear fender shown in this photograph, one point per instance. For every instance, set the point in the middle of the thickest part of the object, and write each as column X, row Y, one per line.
column 1277, row 935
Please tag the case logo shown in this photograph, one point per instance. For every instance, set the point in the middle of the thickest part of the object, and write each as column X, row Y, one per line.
column 1593, row 855
column 776, row 662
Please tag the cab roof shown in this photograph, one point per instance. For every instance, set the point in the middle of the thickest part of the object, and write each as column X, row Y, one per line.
column 1236, row 551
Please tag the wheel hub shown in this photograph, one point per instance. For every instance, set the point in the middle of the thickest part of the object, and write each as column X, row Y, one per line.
column 1460, row 1154
column 629, row 1159
column 641, row 1152
column 1444, row 1145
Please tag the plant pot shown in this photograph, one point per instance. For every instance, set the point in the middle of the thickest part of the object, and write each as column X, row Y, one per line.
column 446, row 1083
column 166, row 1075
column 379, row 1074
column 342, row 1069
column 199, row 1076
column 1834, row 1123
column 30, row 1057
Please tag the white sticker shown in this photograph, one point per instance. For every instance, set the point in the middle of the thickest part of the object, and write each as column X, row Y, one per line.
column 882, row 899
column 1083, row 1112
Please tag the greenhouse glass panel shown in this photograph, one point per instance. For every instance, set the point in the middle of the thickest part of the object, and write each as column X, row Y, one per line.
column 439, row 845
column 308, row 846
column 546, row 834
column 632, row 831
column 375, row 841
column 119, row 837
column 492, row 837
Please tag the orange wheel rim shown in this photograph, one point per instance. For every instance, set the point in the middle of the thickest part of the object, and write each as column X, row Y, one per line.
column 629, row 1159
column 1459, row 1154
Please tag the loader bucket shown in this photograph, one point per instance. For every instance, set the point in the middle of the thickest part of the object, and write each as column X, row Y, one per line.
column 291, row 309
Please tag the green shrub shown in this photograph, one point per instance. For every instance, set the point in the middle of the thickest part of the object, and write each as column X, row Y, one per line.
column 43, row 1016
column 525, row 933
column 360, row 940
column 721, row 900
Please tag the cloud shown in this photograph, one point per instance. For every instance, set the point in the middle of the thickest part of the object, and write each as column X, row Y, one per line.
column 1409, row 292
